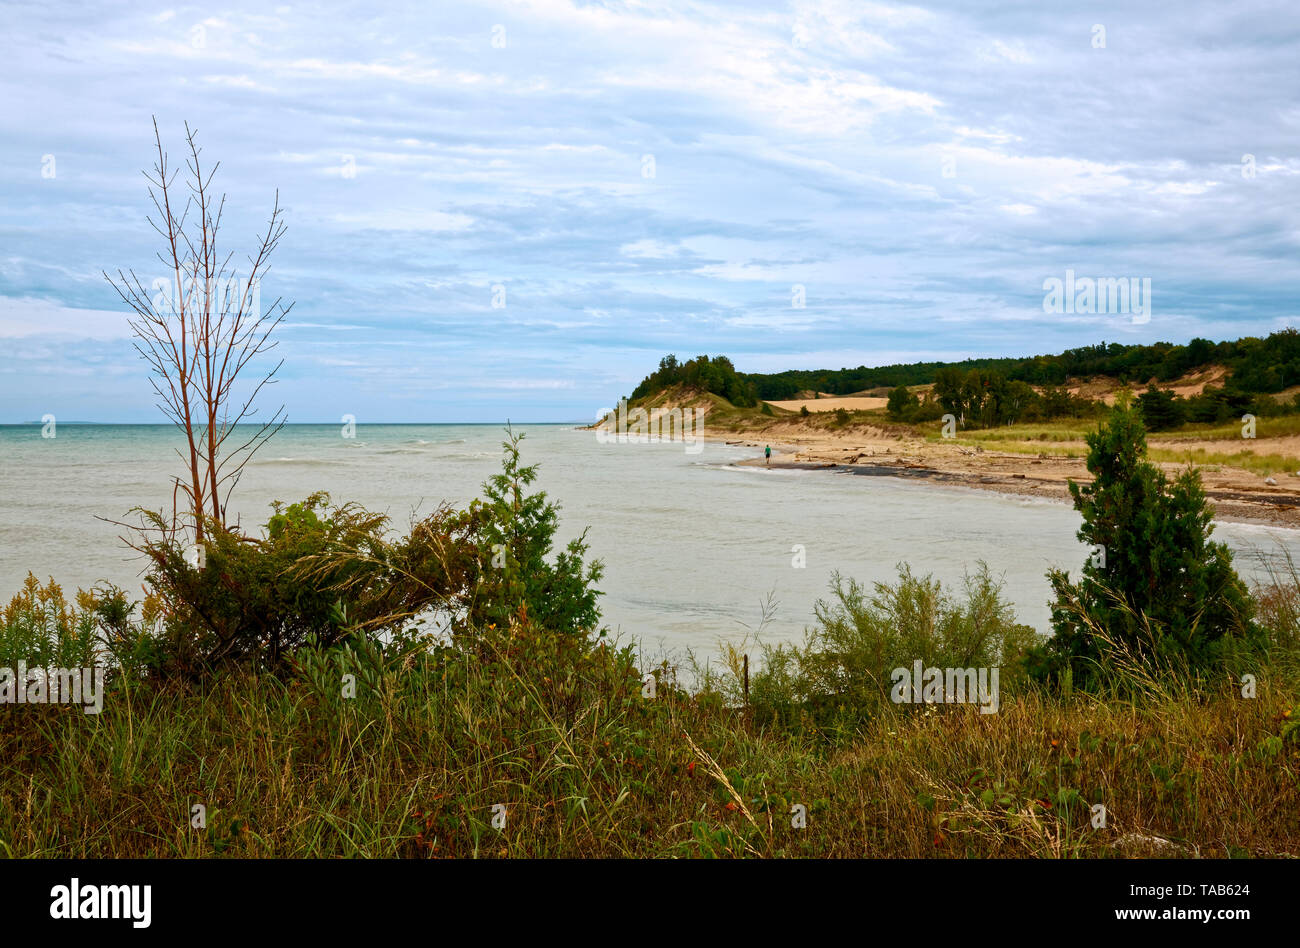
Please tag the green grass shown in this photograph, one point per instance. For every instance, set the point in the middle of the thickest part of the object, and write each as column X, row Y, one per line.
column 587, row 767
column 1048, row 438
column 1071, row 429
column 1075, row 429
column 1261, row 464
column 1275, row 427
column 722, row 414
column 1017, row 447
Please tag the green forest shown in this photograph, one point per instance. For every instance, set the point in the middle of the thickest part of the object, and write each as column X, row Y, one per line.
column 988, row 392
column 1257, row 366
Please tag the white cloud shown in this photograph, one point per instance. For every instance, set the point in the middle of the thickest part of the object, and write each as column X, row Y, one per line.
column 397, row 219
column 37, row 318
column 650, row 249
column 797, row 143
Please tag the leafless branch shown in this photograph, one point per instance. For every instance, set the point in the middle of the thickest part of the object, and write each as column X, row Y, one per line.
column 199, row 342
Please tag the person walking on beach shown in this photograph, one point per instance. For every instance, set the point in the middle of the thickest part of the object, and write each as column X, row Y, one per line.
column 768, row 455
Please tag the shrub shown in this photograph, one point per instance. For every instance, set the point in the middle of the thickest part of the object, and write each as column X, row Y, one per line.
column 1161, row 409
column 513, row 534
column 901, row 402
column 319, row 572
column 927, row 410
column 40, row 627
column 323, row 574
column 1164, row 592
column 843, row 668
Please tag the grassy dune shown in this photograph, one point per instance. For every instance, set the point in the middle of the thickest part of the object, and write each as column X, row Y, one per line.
column 585, row 765
column 1063, row 438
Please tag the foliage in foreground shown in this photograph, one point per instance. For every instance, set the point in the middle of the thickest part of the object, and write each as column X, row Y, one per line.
column 325, row 574
column 562, row 736
column 1156, row 587
column 40, row 627
column 841, row 673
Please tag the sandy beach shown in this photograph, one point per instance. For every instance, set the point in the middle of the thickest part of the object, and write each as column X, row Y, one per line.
column 880, row 449
column 868, row 451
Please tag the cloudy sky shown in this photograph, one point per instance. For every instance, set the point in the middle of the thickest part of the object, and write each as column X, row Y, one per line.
column 631, row 179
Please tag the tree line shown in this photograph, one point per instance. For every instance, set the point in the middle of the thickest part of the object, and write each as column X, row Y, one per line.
column 983, row 393
column 1256, row 366
column 716, row 375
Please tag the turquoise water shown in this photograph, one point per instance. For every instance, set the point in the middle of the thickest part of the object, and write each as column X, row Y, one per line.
column 693, row 545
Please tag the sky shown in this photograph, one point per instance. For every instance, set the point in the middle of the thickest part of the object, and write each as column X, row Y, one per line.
column 514, row 209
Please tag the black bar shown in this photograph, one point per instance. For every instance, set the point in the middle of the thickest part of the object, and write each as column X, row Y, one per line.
column 946, row 898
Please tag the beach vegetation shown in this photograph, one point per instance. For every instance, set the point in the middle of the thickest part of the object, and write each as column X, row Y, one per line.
column 322, row 574
column 1156, row 588
column 840, row 674
column 40, row 626
column 369, row 739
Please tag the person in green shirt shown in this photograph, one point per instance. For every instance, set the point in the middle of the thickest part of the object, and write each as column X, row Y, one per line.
column 768, row 455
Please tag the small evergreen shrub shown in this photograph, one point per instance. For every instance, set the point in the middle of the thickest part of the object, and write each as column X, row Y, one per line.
column 1156, row 588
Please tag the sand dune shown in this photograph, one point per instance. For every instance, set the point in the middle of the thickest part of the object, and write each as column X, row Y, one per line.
column 830, row 403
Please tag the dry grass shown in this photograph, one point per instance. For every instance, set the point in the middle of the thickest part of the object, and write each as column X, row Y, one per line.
column 588, row 767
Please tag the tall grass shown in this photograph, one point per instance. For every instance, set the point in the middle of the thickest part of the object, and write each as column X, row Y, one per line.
column 1068, row 442
column 1262, row 464
column 587, row 761
column 1276, row 426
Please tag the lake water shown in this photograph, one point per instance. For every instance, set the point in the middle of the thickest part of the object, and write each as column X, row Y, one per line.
column 692, row 543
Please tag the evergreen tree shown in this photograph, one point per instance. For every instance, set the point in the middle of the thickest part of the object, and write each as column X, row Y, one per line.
column 1156, row 583
column 901, row 401
column 516, row 580
column 1161, row 409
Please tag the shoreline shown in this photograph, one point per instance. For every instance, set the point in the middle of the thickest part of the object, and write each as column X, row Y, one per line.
column 1227, row 508
column 1010, row 474
column 1235, row 495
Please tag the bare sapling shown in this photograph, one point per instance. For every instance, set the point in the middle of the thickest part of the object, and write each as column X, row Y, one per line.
column 199, row 329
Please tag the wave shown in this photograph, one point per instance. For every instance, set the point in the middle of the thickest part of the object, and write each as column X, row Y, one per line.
column 752, row 469
column 308, row 462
